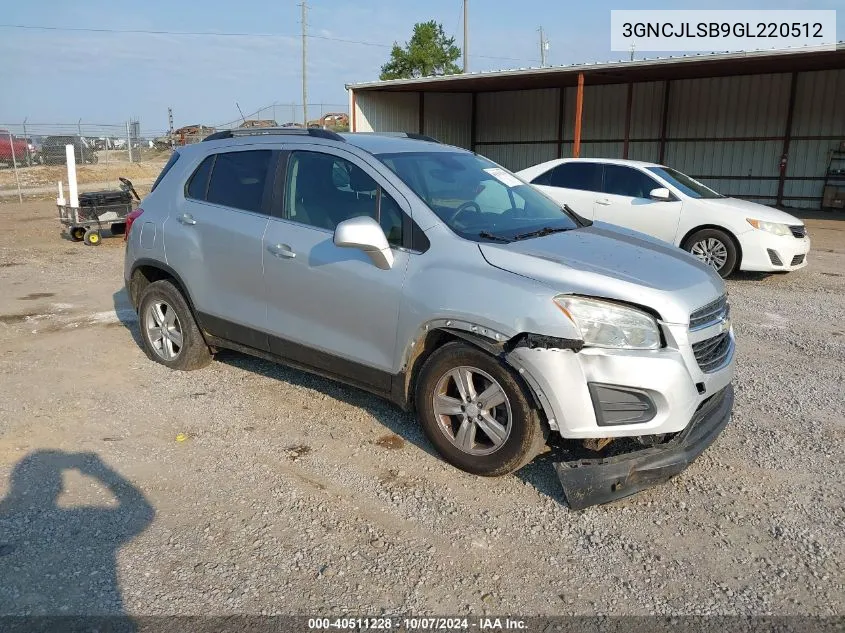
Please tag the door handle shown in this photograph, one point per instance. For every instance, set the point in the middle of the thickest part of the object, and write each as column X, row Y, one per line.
column 187, row 219
column 282, row 250
column 603, row 201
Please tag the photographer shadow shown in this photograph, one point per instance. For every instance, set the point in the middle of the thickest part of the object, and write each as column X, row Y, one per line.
column 61, row 561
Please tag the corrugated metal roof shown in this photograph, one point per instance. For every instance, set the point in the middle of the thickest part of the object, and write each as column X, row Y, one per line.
column 615, row 71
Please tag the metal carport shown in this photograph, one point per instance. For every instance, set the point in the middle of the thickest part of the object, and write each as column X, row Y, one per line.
column 758, row 125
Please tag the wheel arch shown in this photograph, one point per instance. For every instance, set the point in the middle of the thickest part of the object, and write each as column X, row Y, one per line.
column 146, row 271
column 716, row 227
column 433, row 340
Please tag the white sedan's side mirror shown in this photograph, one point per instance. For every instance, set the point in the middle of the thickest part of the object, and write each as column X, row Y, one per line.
column 661, row 193
column 365, row 234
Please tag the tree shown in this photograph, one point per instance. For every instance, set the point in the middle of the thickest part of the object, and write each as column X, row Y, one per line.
column 428, row 53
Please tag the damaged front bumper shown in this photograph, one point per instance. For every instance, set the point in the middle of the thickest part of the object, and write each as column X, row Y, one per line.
column 588, row 482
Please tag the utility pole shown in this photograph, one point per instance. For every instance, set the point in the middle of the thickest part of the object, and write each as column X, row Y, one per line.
column 28, row 153
column 170, row 127
column 304, row 6
column 544, row 46
column 466, row 37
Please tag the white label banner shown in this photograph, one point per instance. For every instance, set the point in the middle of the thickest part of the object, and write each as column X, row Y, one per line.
column 704, row 31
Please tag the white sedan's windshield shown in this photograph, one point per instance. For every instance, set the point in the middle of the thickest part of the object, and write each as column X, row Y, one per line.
column 476, row 198
column 687, row 185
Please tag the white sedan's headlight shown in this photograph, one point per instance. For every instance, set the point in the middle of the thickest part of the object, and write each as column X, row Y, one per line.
column 606, row 324
column 771, row 227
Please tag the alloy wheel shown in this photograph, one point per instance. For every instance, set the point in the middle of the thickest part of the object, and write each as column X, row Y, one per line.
column 711, row 251
column 472, row 410
column 164, row 331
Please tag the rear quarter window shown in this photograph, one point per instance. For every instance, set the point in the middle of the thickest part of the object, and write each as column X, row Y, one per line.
column 543, row 179
column 198, row 182
column 167, row 167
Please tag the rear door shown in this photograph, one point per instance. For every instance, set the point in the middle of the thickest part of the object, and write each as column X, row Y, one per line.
column 573, row 183
column 625, row 201
column 328, row 307
column 213, row 241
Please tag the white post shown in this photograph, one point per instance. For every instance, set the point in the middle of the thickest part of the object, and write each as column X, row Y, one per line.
column 15, row 164
column 73, row 192
column 128, row 141
column 61, row 199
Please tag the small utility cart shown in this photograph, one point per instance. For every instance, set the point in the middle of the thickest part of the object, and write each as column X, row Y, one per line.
column 98, row 210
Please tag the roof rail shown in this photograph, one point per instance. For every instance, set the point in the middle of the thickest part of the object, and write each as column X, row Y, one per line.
column 411, row 135
column 282, row 131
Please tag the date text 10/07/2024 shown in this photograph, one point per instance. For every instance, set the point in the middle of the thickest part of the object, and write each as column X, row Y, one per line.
column 416, row 624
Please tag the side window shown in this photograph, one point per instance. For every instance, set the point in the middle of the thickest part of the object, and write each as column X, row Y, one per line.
column 238, row 179
column 582, row 176
column 198, row 182
column 324, row 190
column 625, row 181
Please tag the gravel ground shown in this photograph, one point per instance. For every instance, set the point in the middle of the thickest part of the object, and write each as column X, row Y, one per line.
column 252, row 488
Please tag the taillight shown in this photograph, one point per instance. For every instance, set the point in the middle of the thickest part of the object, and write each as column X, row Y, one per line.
column 130, row 220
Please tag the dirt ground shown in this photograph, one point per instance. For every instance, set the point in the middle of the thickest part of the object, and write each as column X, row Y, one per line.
column 251, row 488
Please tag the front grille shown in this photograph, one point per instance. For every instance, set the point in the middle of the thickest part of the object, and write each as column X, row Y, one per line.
column 774, row 257
column 799, row 230
column 713, row 353
column 710, row 314
column 798, row 259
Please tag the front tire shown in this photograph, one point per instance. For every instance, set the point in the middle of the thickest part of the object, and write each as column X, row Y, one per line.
column 476, row 412
column 715, row 248
column 168, row 330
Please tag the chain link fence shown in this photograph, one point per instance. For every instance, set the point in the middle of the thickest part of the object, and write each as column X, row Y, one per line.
column 33, row 155
column 33, row 159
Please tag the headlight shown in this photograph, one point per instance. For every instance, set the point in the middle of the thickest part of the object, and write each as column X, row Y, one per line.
column 606, row 324
column 771, row 227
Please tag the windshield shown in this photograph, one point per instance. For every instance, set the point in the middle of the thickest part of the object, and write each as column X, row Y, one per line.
column 476, row 198
column 687, row 185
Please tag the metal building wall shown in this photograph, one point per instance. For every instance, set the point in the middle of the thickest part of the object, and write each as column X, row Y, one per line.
column 818, row 120
column 386, row 112
column 517, row 129
column 728, row 132
column 448, row 117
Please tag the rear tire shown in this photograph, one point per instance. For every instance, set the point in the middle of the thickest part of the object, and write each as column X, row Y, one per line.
column 715, row 248
column 488, row 435
column 169, row 332
column 76, row 233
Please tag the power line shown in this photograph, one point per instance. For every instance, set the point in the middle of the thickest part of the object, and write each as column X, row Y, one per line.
column 227, row 34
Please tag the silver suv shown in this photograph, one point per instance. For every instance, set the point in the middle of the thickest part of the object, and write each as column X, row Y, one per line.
column 433, row 277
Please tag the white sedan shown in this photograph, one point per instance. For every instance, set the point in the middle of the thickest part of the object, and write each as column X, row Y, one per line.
column 727, row 233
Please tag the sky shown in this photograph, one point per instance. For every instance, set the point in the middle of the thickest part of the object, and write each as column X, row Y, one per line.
column 54, row 76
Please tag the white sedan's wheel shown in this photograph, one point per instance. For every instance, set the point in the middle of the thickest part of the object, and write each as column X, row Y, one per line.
column 715, row 248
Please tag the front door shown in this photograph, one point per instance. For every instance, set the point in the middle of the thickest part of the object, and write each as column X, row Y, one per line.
column 625, row 201
column 328, row 307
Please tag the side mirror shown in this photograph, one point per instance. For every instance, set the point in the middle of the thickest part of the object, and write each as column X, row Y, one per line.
column 365, row 234
column 661, row 194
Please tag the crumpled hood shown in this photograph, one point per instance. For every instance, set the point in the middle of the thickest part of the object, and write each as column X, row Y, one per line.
column 753, row 210
column 615, row 263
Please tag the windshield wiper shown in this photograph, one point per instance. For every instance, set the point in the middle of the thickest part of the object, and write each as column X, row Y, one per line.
column 496, row 238
column 546, row 230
